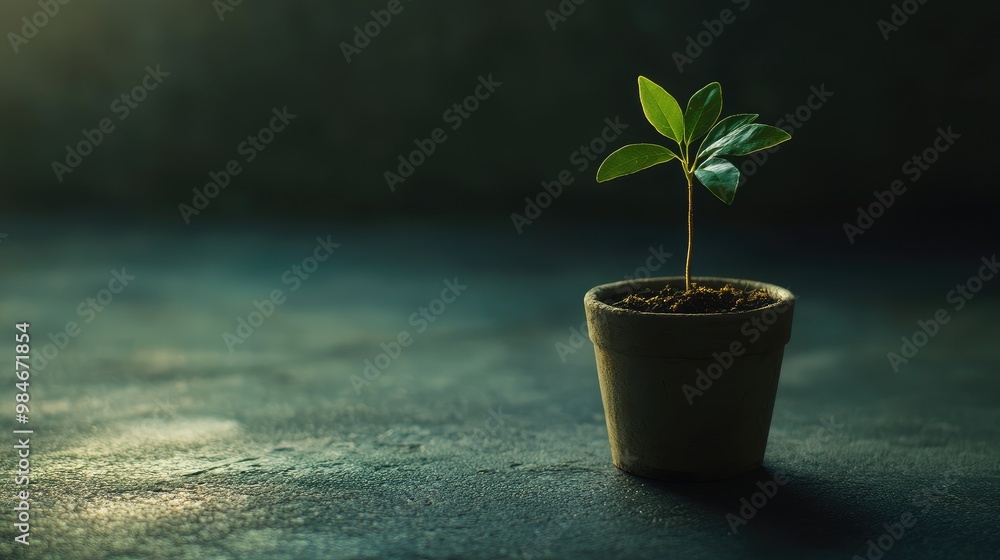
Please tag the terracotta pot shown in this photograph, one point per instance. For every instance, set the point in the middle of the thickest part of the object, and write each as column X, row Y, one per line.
column 688, row 396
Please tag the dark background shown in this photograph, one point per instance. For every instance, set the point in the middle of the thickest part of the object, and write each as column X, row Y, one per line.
column 354, row 119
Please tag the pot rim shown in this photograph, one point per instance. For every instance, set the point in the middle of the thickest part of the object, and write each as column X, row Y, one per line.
column 592, row 300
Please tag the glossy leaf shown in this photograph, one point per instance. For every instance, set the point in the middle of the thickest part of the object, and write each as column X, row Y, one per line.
column 748, row 139
column 720, row 176
column 661, row 110
column 723, row 128
column 703, row 110
column 632, row 158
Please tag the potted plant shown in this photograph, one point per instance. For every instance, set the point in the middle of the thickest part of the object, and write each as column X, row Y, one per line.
column 688, row 366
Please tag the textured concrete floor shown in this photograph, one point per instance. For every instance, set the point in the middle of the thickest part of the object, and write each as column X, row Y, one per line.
column 480, row 440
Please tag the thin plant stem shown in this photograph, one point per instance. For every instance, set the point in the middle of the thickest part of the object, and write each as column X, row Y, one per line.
column 687, row 263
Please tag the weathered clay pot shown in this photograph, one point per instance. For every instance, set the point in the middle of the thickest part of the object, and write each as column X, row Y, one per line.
column 688, row 396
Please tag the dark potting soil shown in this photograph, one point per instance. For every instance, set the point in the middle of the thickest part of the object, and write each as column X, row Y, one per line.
column 699, row 299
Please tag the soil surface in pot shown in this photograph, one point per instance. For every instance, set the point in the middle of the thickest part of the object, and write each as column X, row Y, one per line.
column 699, row 299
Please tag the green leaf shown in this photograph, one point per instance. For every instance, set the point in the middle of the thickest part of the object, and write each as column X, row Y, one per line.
column 703, row 110
column 632, row 158
column 748, row 139
column 661, row 109
column 720, row 176
column 720, row 130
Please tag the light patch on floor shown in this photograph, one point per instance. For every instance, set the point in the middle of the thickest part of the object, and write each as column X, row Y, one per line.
column 806, row 368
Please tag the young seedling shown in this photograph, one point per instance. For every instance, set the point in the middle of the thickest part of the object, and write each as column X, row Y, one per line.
column 736, row 135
